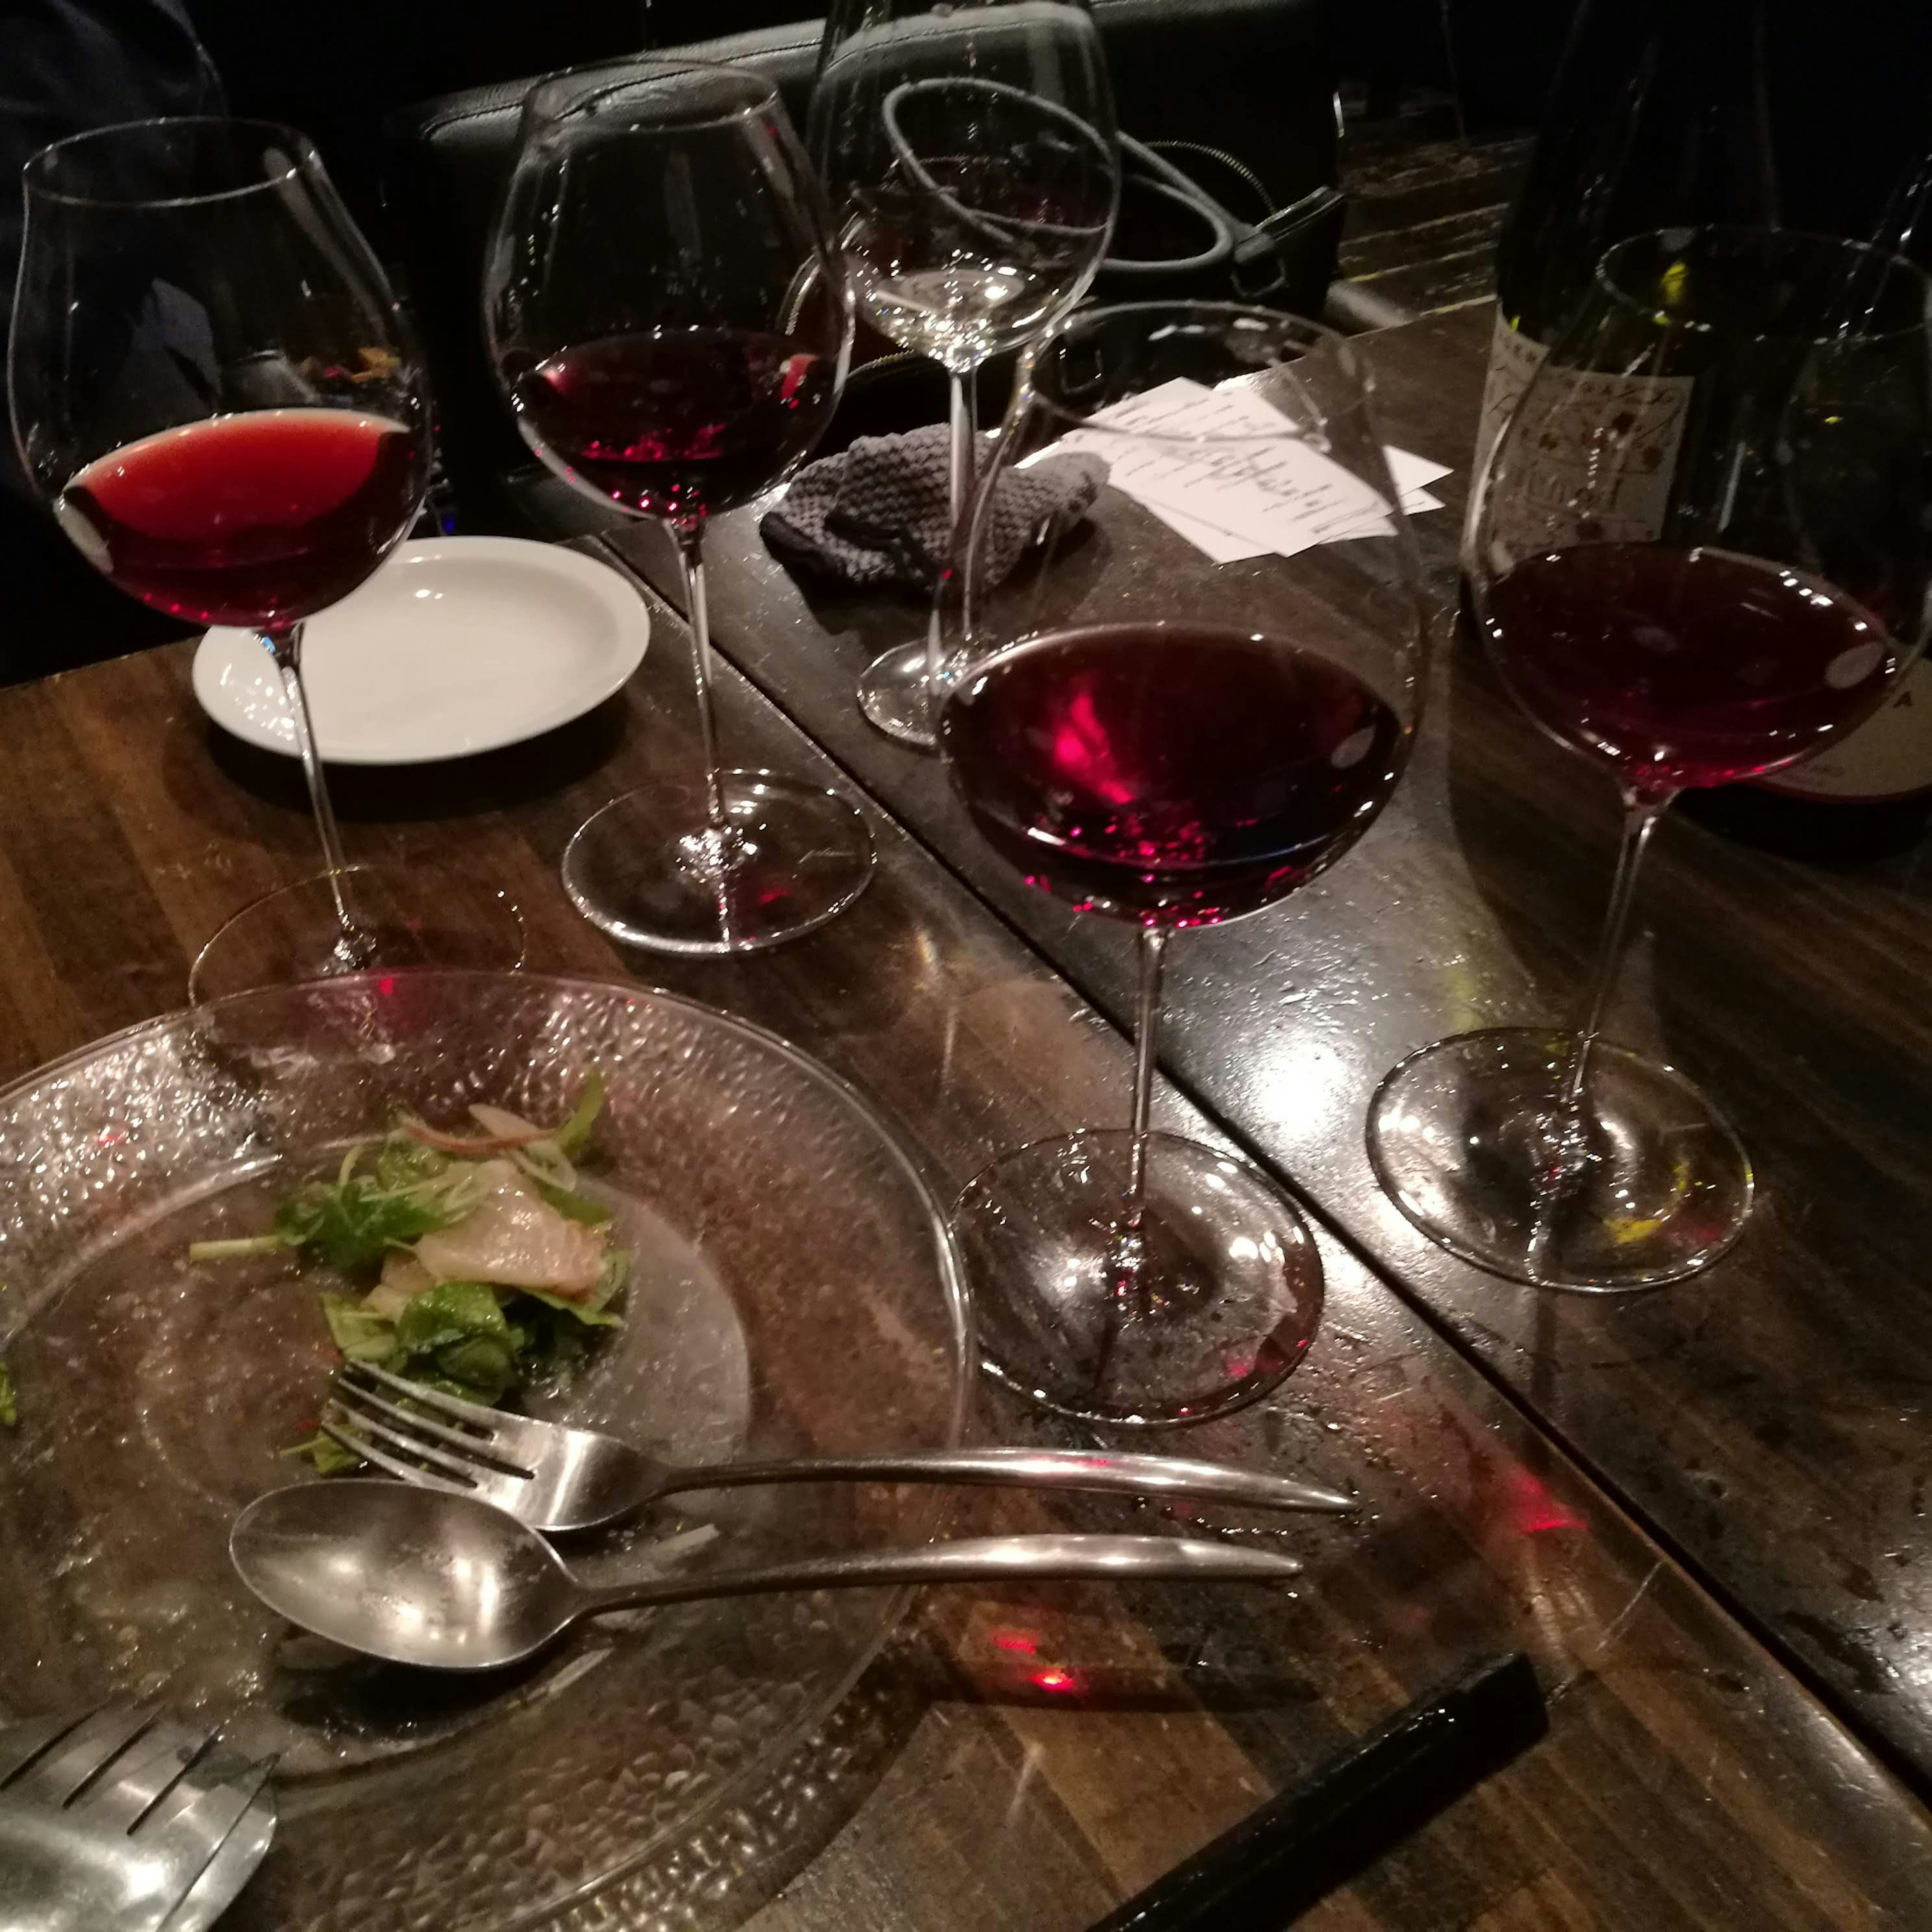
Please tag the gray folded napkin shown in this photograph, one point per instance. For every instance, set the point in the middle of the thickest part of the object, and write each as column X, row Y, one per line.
column 877, row 514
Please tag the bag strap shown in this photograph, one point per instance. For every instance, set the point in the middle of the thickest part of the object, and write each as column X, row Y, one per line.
column 1253, row 252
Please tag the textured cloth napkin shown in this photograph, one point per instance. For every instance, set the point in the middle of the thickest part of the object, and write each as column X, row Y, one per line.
column 878, row 515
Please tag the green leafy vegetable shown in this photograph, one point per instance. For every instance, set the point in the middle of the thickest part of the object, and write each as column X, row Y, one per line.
column 571, row 1206
column 586, row 1313
column 10, row 1405
column 470, row 1339
column 575, row 1131
column 326, row 1453
column 360, row 1332
column 353, row 1224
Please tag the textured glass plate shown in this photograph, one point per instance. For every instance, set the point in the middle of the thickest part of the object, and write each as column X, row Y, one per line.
column 794, row 1290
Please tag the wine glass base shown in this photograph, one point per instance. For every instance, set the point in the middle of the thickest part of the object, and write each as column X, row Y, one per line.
column 398, row 917
column 1204, row 1311
column 893, row 696
column 1465, row 1138
column 788, row 857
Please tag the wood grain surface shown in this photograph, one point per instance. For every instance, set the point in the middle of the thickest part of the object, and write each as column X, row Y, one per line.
column 1768, row 1420
column 1028, row 1758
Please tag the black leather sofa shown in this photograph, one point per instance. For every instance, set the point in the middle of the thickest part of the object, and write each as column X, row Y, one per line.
column 1249, row 78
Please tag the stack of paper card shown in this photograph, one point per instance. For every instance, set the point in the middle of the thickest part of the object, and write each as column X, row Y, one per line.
column 1231, row 475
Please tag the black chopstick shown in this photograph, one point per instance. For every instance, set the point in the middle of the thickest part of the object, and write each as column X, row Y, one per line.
column 1305, row 1841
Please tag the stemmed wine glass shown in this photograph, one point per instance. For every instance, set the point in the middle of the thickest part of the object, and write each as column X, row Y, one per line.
column 969, row 151
column 1173, row 741
column 1700, row 552
column 670, row 324
column 211, row 386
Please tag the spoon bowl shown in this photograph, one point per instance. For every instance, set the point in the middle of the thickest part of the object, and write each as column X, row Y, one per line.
column 394, row 1571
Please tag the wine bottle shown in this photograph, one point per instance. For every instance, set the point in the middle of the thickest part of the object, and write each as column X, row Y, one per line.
column 1870, row 793
column 1658, row 117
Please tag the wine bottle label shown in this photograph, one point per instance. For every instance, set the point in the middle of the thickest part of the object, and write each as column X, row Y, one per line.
column 1889, row 756
column 1514, row 359
column 1604, row 457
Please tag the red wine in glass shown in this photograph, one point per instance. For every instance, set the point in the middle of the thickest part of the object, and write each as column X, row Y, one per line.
column 679, row 423
column 1170, row 773
column 256, row 520
column 1684, row 666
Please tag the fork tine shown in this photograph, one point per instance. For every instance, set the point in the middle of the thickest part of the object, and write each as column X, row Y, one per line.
column 190, row 1826
column 475, row 1448
column 20, row 1744
column 85, row 1752
column 465, row 1469
column 152, row 1768
column 231, row 1867
column 358, row 1445
column 488, row 1419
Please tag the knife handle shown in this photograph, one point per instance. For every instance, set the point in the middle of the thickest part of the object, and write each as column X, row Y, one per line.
column 1305, row 1841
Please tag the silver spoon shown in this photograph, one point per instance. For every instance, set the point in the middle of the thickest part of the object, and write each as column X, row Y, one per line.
column 416, row 1576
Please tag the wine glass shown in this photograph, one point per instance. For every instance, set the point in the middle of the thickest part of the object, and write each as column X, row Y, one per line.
column 1700, row 552
column 1172, row 741
column 970, row 151
column 211, row 386
column 670, row 324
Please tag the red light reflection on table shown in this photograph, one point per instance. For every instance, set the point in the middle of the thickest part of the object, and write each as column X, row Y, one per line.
column 1533, row 1510
column 1055, row 1678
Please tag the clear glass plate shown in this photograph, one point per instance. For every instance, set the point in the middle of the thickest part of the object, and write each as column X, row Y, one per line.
column 794, row 1290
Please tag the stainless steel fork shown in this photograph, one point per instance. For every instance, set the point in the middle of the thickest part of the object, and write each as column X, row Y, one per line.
column 120, row 1820
column 556, row 1479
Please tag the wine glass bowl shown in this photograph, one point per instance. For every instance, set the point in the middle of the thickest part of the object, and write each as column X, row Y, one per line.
column 972, row 160
column 671, row 327
column 212, row 388
column 1698, row 553
column 211, row 384
column 1156, row 736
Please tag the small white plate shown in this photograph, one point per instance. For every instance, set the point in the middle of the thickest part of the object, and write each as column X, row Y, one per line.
column 455, row 646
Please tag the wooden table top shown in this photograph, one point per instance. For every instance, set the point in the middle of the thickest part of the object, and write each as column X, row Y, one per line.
column 1769, row 1420
column 1689, row 1781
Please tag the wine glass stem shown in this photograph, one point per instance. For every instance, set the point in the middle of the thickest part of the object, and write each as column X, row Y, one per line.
column 285, row 647
column 961, row 452
column 1641, row 813
column 690, row 540
column 1147, row 1049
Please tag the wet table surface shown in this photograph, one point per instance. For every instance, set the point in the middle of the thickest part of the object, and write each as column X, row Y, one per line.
column 1767, row 1420
column 1031, row 1757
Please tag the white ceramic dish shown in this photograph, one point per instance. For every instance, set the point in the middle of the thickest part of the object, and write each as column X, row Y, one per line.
column 456, row 645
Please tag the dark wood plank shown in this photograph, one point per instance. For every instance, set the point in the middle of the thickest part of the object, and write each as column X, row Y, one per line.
column 1769, row 1419
column 1688, row 1780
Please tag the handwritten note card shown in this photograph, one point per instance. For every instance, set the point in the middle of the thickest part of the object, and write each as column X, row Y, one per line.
column 1222, row 469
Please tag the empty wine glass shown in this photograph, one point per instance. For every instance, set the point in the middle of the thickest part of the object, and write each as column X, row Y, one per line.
column 211, row 386
column 670, row 324
column 1700, row 553
column 1172, row 725
column 970, row 151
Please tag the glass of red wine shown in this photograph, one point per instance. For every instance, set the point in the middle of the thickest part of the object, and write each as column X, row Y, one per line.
column 1700, row 553
column 1172, row 722
column 970, row 151
column 212, row 386
column 670, row 323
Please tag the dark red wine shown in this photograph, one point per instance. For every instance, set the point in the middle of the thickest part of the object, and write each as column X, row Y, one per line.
column 256, row 520
column 1684, row 666
column 678, row 424
column 1167, row 772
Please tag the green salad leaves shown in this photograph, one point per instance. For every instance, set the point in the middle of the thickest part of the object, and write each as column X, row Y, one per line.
column 425, row 1210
